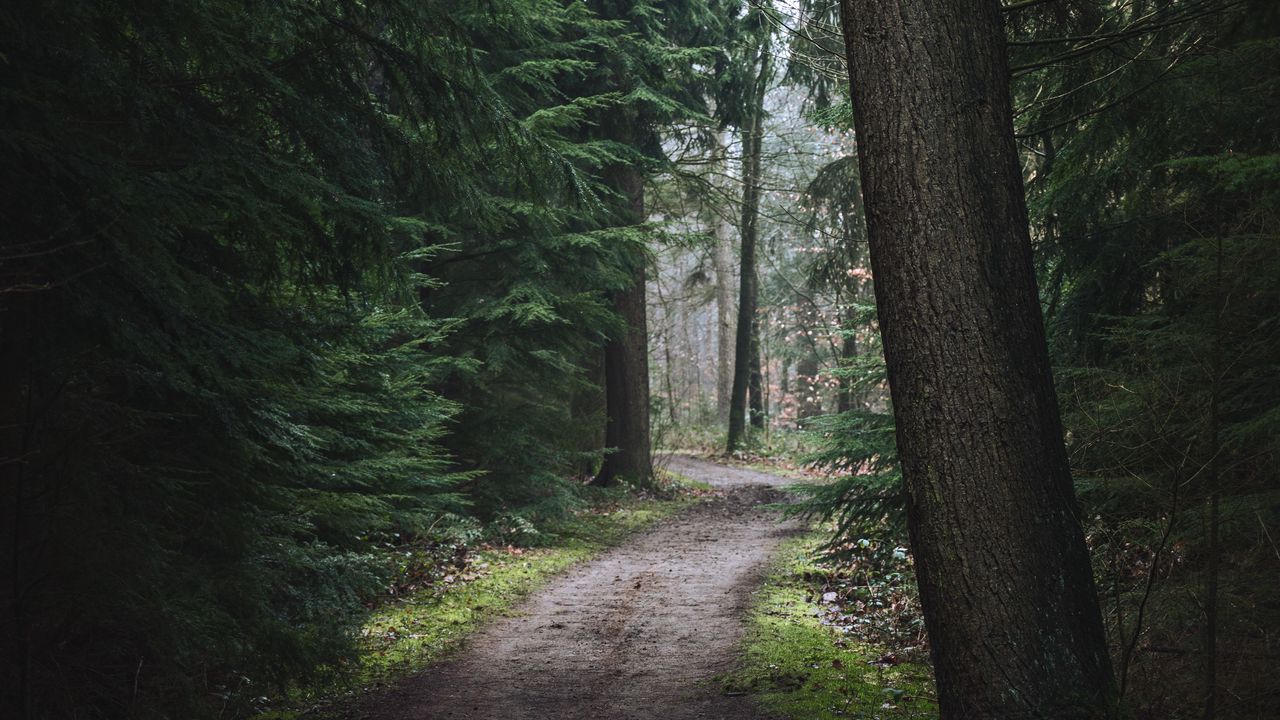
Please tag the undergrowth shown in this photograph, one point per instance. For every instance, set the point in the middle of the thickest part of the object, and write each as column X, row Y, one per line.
column 441, row 596
column 781, row 451
column 798, row 662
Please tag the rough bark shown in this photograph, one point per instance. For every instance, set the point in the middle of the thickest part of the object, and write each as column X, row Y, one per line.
column 746, row 346
column 626, row 360
column 15, row 344
column 1003, row 571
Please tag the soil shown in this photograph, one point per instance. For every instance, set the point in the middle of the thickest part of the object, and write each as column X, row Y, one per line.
column 640, row 632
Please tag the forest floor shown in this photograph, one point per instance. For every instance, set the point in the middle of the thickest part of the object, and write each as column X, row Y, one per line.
column 642, row 631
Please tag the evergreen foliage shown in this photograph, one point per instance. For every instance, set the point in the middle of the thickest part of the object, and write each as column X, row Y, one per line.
column 858, row 449
column 1153, row 190
column 281, row 283
column 1151, row 169
column 856, row 444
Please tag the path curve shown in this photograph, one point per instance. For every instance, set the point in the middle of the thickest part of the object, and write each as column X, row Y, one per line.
column 638, row 633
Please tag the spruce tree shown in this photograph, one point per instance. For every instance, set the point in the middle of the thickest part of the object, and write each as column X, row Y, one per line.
column 231, row 356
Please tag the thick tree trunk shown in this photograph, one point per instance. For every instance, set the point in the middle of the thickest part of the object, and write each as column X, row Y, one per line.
column 18, row 321
column 626, row 369
column 626, row 354
column 746, row 356
column 626, row 362
column 1004, row 574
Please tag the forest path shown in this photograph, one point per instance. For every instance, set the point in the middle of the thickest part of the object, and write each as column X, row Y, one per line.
column 638, row 633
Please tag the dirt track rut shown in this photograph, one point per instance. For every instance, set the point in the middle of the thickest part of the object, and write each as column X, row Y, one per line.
column 638, row 633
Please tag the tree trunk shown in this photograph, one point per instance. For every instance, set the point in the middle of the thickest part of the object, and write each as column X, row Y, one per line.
column 746, row 343
column 626, row 361
column 742, row 349
column 664, row 336
column 23, row 511
column 724, row 319
column 755, row 381
column 1003, row 571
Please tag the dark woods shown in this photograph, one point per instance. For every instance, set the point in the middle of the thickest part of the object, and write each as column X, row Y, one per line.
column 283, row 285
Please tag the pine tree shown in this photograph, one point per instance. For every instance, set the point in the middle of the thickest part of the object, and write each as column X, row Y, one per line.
column 231, row 358
column 1152, row 185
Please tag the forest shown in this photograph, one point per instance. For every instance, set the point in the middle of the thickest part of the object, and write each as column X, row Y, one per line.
column 776, row 359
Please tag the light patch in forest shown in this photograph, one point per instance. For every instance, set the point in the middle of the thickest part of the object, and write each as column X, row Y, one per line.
column 798, row 668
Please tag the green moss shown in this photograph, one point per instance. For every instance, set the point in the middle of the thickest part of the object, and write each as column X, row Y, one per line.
column 798, row 668
column 404, row 637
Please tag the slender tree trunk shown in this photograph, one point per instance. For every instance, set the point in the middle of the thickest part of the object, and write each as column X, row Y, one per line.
column 724, row 327
column 746, row 356
column 721, row 259
column 664, row 336
column 854, row 233
column 691, row 375
column 755, row 382
column 1004, row 575
column 742, row 349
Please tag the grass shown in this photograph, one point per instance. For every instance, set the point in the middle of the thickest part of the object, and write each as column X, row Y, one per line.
column 711, row 440
column 781, row 452
column 798, row 668
column 405, row 636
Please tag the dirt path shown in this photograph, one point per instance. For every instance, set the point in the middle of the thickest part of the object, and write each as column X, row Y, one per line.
column 637, row 633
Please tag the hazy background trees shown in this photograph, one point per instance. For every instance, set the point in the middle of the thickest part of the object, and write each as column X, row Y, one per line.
column 1149, row 168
